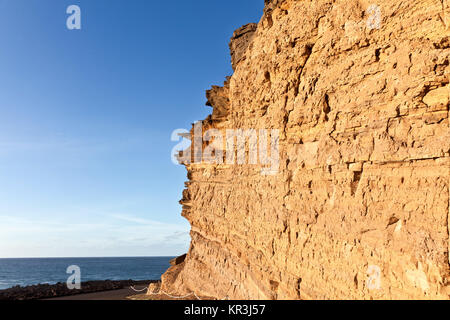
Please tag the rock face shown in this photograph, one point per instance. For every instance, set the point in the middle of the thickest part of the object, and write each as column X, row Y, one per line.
column 359, row 208
column 242, row 38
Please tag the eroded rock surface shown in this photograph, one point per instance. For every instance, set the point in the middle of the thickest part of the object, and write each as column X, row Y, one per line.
column 360, row 206
column 242, row 38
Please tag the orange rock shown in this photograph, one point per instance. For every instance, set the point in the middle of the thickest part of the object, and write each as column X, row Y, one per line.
column 360, row 206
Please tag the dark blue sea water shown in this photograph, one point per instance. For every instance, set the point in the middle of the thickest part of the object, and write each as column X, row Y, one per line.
column 25, row 272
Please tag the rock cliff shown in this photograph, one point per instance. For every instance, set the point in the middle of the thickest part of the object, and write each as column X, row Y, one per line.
column 359, row 205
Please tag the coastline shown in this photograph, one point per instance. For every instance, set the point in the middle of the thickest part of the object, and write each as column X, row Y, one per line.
column 90, row 290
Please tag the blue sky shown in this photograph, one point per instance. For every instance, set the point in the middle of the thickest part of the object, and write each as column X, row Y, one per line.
column 86, row 118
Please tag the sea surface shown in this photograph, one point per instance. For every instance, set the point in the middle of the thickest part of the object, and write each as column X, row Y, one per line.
column 26, row 271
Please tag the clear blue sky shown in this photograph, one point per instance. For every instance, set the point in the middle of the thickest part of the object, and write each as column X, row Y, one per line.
column 86, row 118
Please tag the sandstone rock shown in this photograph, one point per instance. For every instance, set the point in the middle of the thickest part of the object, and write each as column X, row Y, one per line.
column 438, row 97
column 177, row 260
column 360, row 206
column 154, row 288
column 218, row 98
column 240, row 41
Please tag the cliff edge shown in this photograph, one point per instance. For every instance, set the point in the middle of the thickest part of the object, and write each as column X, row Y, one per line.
column 358, row 204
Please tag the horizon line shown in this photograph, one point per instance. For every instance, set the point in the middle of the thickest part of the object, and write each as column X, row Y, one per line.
column 88, row 257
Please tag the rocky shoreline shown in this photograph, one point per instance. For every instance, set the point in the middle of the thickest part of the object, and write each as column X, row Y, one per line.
column 45, row 291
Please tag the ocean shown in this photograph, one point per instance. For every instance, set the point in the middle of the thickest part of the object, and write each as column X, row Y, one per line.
column 27, row 271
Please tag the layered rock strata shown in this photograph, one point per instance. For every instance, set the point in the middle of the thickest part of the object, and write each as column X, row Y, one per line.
column 359, row 208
